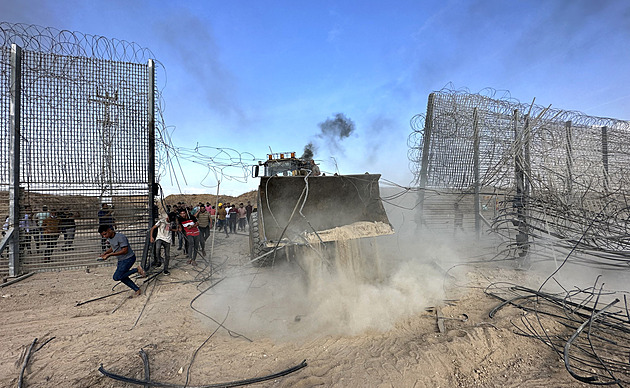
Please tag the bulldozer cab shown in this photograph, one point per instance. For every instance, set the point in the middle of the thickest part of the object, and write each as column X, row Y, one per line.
column 283, row 163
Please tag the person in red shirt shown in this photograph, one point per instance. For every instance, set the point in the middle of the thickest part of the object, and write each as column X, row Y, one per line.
column 213, row 213
column 190, row 226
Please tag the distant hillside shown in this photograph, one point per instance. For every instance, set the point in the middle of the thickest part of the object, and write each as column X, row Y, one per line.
column 193, row 199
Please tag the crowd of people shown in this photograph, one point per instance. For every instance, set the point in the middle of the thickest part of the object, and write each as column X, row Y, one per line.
column 190, row 226
column 40, row 231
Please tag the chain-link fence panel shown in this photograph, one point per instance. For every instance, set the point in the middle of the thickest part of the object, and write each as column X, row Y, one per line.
column 84, row 144
column 563, row 176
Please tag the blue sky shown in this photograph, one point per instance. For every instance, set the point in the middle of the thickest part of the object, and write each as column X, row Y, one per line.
column 249, row 75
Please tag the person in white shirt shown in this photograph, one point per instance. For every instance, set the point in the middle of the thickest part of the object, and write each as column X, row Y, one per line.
column 163, row 238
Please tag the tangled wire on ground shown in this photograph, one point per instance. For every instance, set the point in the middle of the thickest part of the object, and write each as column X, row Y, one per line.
column 588, row 328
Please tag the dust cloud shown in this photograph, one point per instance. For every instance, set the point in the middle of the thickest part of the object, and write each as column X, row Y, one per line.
column 353, row 287
column 349, row 288
column 372, row 285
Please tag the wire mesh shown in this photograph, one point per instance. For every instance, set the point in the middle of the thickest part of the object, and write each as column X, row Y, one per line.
column 84, row 142
column 559, row 176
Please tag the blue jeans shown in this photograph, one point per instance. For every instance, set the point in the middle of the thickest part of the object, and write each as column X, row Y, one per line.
column 123, row 272
column 180, row 237
column 204, row 233
column 222, row 224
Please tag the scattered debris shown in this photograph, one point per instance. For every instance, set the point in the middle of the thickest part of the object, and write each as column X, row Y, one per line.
column 147, row 381
column 591, row 340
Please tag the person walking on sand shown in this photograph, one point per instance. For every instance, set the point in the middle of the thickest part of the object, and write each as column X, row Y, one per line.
column 191, row 228
column 241, row 216
column 119, row 247
column 50, row 229
column 204, row 219
column 221, row 221
column 163, row 239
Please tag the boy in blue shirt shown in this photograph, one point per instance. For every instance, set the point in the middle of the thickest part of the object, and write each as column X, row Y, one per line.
column 119, row 247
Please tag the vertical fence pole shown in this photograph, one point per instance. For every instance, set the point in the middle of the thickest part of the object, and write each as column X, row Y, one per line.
column 14, row 158
column 527, row 167
column 520, row 200
column 151, row 161
column 518, row 156
column 476, row 141
column 424, row 169
column 569, row 136
column 605, row 156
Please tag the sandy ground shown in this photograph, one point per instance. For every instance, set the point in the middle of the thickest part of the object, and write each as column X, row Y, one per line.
column 354, row 328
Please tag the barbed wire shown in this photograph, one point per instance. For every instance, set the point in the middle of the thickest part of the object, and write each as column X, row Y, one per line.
column 453, row 120
column 71, row 43
column 587, row 328
column 71, row 49
column 221, row 164
column 555, row 169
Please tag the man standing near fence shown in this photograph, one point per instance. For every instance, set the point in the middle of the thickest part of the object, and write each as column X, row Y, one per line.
column 39, row 219
column 119, row 247
column 191, row 229
column 163, row 239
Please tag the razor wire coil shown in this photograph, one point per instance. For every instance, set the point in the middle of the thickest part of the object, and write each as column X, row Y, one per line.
column 551, row 169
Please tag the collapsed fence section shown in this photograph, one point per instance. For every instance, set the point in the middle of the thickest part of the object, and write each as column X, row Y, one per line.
column 561, row 176
column 77, row 134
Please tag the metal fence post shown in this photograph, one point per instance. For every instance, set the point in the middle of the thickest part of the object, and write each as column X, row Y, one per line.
column 527, row 145
column 14, row 159
column 569, row 137
column 424, row 169
column 605, row 156
column 151, row 162
column 520, row 199
column 476, row 141
column 151, row 124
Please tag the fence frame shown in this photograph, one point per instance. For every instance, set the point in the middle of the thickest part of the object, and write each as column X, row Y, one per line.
column 12, row 238
column 532, row 155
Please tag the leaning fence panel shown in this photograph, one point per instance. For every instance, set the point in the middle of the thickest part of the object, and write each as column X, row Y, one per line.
column 562, row 176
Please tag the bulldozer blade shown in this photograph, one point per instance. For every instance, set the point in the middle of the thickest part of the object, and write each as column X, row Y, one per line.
column 294, row 205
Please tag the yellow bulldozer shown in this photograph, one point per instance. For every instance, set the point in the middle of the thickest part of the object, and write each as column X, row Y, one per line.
column 297, row 207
